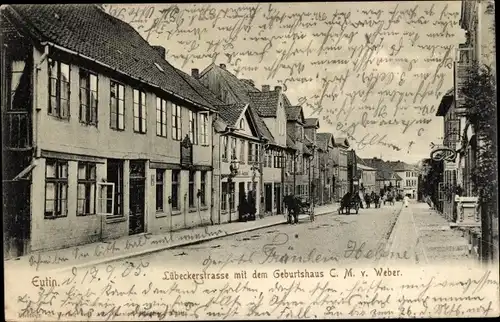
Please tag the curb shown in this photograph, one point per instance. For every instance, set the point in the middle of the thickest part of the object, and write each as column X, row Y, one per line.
column 171, row 246
column 392, row 234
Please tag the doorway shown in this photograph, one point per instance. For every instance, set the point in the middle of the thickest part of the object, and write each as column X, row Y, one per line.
column 16, row 213
column 137, row 197
column 269, row 195
column 277, row 197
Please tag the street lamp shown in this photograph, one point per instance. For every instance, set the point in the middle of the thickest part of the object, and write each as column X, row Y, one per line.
column 234, row 166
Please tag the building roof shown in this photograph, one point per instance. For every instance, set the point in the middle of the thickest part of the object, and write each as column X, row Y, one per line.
column 239, row 87
column 286, row 101
column 384, row 169
column 401, row 166
column 294, row 113
column 230, row 113
column 305, row 150
column 266, row 103
column 364, row 167
column 342, row 141
column 261, row 127
column 445, row 103
column 323, row 139
column 311, row 122
column 88, row 31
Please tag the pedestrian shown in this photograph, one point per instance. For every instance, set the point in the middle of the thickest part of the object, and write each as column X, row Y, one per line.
column 406, row 201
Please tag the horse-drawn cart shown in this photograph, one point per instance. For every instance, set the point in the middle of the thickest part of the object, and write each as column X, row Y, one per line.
column 296, row 207
column 349, row 202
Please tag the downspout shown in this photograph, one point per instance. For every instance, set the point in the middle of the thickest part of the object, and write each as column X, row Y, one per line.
column 36, row 109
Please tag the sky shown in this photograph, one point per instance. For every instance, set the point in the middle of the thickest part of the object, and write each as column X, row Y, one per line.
column 348, row 64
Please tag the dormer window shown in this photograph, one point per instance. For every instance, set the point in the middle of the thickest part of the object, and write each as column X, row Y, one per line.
column 242, row 124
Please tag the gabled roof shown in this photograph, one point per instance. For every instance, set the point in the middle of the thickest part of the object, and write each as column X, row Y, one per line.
column 342, row 141
column 295, row 114
column 230, row 113
column 239, row 87
column 266, row 103
column 323, row 139
column 88, row 31
column 286, row 101
column 262, row 128
column 305, row 150
column 311, row 122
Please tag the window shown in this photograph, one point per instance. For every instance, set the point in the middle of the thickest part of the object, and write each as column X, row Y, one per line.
column 20, row 81
column 117, row 105
column 176, row 122
column 161, row 117
column 242, row 151
column 224, row 148
column 86, row 188
column 175, row 188
column 139, row 111
column 159, row 189
column 192, row 191
column 88, row 98
column 193, row 127
column 233, row 149
column 232, row 202
column 59, row 89
column 56, row 189
column 223, row 204
column 250, row 152
column 257, row 156
column 242, row 124
column 115, row 176
column 203, row 188
column 204, row 128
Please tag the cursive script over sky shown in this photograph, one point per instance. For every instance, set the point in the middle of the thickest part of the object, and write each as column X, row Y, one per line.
column 372, row 72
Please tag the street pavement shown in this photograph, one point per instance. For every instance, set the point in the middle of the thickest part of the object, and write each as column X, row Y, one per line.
column 331, row 238
column 429, row 235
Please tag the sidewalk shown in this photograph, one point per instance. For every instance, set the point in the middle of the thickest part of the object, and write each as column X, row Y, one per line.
column 421, row 231
column 131, row 246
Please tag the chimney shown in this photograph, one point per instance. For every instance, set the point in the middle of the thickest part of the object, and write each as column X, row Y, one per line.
column 277, row 88
column 161, row 50
column 223, row 66
column 265, row 88
column 195, row 73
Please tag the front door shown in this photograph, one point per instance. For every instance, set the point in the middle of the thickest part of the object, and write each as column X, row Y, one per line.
column 137, row 197
column 16, row 214
column 277, row 197
column 269, row 195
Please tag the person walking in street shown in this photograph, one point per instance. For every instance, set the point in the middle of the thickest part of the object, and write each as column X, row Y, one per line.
column 406, row 201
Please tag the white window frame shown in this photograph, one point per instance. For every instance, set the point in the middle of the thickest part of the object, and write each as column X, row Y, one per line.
column 204, row 127
column 100, row 198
